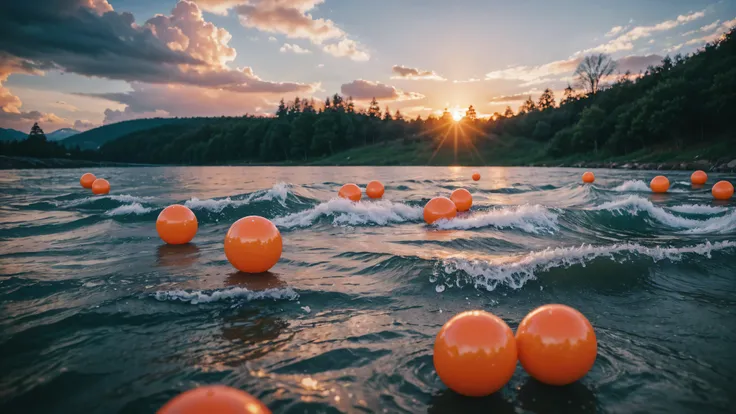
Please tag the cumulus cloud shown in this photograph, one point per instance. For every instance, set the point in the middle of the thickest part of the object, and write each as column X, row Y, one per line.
column 403, row 72
column 615, row 30
column 84, row 125
column 535, row 73
column 625, row 41
column 365, row 90
column 470, row 80
column 347, row 48
column 287, row 47
column 514, row 98
column 721, row 30
column 11, row 114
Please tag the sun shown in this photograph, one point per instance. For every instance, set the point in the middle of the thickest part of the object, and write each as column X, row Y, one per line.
column 457, row 115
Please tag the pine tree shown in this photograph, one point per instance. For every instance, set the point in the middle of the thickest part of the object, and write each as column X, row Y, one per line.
column 327, row 104
column 296, row 107
column 281, row 111
column 387, row 115
column 351, row 105
column 374, row 111
column 446, row 116
column 36, row 135
column 546, row 100
column 337, row 103
column 508, row 113
column 398, row 116
column 569, row 95
column 528, row 106
column 470, row 114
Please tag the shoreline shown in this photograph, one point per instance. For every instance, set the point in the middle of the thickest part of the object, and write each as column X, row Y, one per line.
column 26, row 163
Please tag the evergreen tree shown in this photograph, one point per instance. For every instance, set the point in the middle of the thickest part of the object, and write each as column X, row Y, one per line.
column 509, row 112
column 387, row 115
column 301, row 134
column 528, row 106
column 351, row 105
column 281, row 111
column 374, row 111
column 325, row 135
column 546, row 100
column 568, row 96
column 398, row 116
column 470, row 114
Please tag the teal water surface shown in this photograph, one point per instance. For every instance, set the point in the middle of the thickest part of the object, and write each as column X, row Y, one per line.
column 97, row 315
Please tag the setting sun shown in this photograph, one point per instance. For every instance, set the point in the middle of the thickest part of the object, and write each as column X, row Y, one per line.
column 457, row 115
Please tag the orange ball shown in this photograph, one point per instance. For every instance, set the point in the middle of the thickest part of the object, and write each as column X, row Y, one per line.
column 439, row 208
column 253, row 244
column 100, row 186
column 475, row 353
column 462, row 199
column 476, row 176
column 699, row 177
column 588, row 177
column 556, row 344
column 87, row 180
column 350, row 191
column 176, row 224
column 660, row 184
column 214, row 399
column 374, row 189
column 723, row 190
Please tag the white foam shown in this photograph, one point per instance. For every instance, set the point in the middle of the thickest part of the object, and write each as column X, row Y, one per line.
column 632, row 185
column 635, row 204
column 278, row 192
column 529, row 218
column 346, row 212
column 135, row 208
column 123, row 198
column 516, row 271
column 698, row 209
column 237, row 293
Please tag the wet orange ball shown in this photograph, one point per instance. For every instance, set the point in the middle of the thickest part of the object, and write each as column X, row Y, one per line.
column 476, row 176
column 176, row 224
column 556, row 344
column 439, row 208
column 588, row 177
column 350, row 191
column 462, row 199
column 699, row 177
column 214, row 399
column 253, row 244
column 374, row 189
column 723, row 190
column 475, row 353
column 100, row 186
column 659, row 184
column 87, row 180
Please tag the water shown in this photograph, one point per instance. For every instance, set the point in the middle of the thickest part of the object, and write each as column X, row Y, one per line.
column 98, row 316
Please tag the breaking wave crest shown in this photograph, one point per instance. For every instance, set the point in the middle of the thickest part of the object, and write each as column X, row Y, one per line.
column 233, row 294
column 279, row 192
column 346, row 212
column 529, row 218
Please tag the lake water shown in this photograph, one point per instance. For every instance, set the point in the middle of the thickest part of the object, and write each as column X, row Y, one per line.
column 97, row 315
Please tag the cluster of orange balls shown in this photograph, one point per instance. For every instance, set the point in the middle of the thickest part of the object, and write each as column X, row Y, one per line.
column 99, row 186
column 722, row 190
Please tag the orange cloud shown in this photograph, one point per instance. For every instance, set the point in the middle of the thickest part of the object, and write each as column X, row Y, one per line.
column 365, row 90
column 403, row 72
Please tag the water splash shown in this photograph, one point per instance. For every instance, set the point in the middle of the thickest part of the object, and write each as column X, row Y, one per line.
column 135, row 208
column 237, row 293
column 279, row 192
column 346, row 212
column 529, row 218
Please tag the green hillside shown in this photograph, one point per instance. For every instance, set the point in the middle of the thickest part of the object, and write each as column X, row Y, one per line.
column 11, row 134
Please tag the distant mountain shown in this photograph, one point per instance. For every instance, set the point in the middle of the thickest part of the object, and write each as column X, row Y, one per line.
column 62, row 133
column 94, row 138
column 11, row 135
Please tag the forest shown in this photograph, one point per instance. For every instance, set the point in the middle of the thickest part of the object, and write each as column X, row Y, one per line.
column 683, row 102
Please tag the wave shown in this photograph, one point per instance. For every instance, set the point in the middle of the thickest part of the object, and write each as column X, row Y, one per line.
column 122, row 198
column 642, row 187
column 698, row 209
column 240, row 294
column 279, row 192
column 634, row 205
column 529, row 218
column 346, row 212
column 515, row 272
column 135, row 208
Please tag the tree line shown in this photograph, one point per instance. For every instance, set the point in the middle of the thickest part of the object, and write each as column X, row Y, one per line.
column 684, row 101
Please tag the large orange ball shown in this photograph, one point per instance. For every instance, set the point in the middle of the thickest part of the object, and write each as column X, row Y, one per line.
column 723, row 190
column 699, row 177
column 476, row 176
column 588, row 177
column 100, row 186
column 439, row 208
column 475, row 353
column 462, row 198
column 659, row 184
column 374, row 189
column 176, row 224
column 213, row 399
column 253, row 244
column 350, row 191
column 556, row 344
column 87, row 180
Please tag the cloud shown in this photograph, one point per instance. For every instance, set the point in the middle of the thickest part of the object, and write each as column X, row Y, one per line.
column 705, row 29
column 718, row 34
column 272, row 39
column 514, row 98
column 635, row 64
column 180, row 48
column 321, row 65
column 64, row 105
column 615, row 30
column 534, row 74
column 287, row 47
column 347, row 48
column 218, row 6
column 470, row 80
column 365, row 90
column 83, row 125
column 403, row 72
column 625, row 41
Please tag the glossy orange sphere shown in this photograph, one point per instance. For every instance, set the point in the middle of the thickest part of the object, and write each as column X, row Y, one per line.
column 176, row 224
column 374, row 189
column 588, row 177
column 475, row 353
column 350, row 191
column 87, row 180
column 699, row 177
column 476, row 176
column 100, row 186
column 462, row 199
column 439, row 208
column 253, row 244
column 556, row 344
column 213, row 399
column 660, row 184
column 723, row 190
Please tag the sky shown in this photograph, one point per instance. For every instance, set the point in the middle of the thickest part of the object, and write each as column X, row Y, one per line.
column 84, row 63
